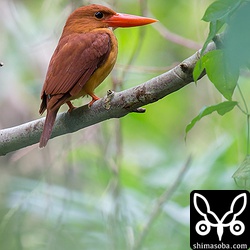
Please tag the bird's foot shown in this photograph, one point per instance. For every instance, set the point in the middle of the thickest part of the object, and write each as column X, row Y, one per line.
column 71, row 106
column 94, row 98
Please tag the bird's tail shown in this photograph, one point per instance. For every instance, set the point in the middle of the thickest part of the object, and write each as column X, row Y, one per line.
column 48, row 126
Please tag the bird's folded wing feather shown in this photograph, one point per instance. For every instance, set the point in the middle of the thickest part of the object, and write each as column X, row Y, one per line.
column 76, row 56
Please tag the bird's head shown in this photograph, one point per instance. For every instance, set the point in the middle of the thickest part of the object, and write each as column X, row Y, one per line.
column 87, row 18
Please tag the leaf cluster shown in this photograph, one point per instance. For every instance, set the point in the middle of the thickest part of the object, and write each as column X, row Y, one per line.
column 223, row 65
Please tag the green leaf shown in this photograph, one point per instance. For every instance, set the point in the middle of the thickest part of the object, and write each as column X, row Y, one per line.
column 237, row 37
column 221, row 108
column 220, row 9
column 220, row 73
column 198, row 69
column 242, row 175
column 218, row 14
column 214, row 28
column 200, row 66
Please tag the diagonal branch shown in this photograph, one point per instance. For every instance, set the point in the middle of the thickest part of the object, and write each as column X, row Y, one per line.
column 114, row 105
column 164, row 32
column 163, row 199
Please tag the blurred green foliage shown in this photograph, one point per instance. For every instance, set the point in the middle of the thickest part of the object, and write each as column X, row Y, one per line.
column 96, row 189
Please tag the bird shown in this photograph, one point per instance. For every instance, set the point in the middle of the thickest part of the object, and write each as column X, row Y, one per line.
column 84, row 57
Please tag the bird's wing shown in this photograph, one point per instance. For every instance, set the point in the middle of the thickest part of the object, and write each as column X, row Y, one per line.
column 76, row 56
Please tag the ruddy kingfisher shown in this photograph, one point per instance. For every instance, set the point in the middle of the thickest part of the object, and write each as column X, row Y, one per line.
column 83, row 58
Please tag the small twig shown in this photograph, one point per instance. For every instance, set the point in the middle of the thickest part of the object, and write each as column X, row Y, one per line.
column 164, row 32
column 165, row 197
column 173, row 37
column 139, row 110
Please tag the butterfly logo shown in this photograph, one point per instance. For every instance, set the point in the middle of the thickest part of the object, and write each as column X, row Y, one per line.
column 203, row 227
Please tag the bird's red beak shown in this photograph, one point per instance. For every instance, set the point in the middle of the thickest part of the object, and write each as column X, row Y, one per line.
column 126, row 20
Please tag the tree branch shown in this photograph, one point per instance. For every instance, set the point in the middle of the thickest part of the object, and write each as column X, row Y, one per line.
column 114, row 105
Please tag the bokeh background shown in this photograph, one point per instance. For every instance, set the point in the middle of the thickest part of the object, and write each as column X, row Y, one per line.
column 106, row 187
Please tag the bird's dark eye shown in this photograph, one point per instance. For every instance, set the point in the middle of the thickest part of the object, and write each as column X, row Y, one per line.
column 99, row 15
